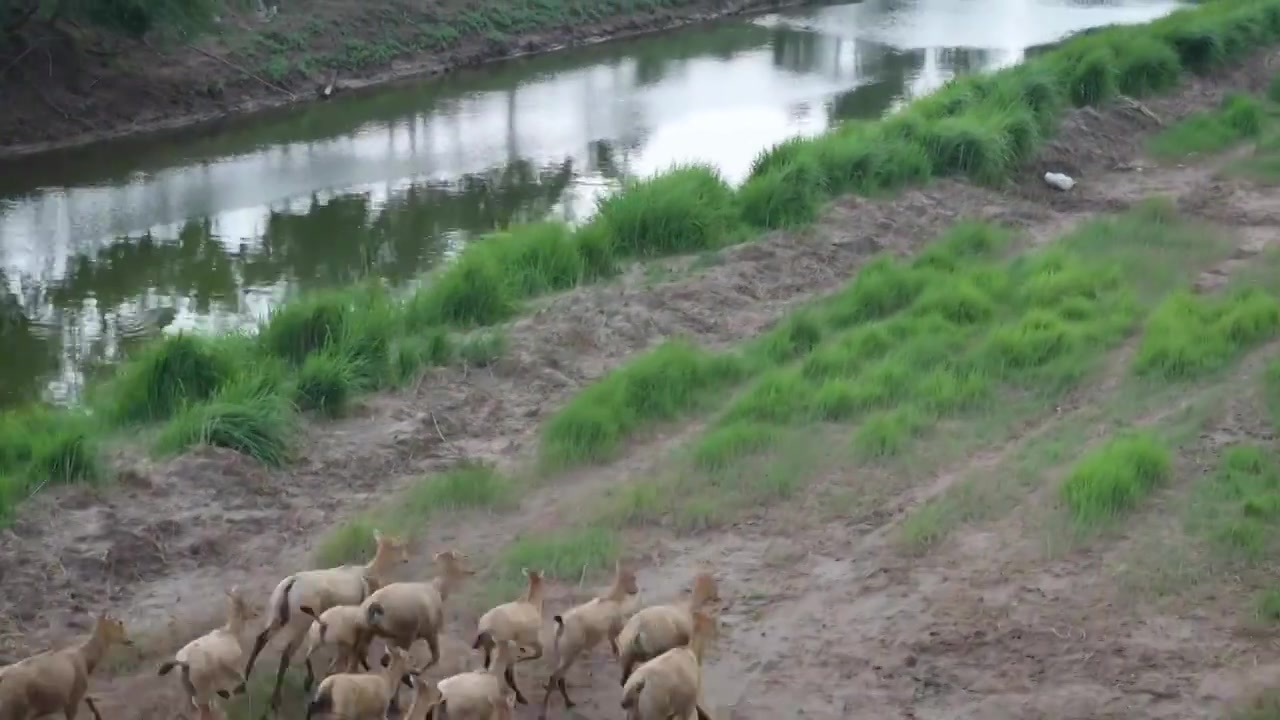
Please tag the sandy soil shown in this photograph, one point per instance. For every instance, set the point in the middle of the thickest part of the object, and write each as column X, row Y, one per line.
column 829, row 618
column 70, row 88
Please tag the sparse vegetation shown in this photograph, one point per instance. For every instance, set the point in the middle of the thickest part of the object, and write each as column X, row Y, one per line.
column 1239, row 117
column 467, row 486
column 1237, row 508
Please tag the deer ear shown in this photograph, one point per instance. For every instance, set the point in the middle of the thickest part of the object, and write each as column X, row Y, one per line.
column 524, row 571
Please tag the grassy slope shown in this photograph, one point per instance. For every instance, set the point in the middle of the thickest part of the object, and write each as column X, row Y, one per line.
column 917, row 364
column 912, row 366
column 318, row 352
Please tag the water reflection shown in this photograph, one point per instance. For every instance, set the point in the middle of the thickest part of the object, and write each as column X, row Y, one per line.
column 104, row 246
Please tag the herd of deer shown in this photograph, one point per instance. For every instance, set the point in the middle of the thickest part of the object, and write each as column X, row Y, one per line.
column 659, row 648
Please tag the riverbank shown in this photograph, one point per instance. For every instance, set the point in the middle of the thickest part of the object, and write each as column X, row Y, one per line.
column 174, row 530
column 319, row 353
column 108, row 89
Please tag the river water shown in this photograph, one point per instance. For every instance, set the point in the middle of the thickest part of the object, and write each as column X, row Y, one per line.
column 102, row 247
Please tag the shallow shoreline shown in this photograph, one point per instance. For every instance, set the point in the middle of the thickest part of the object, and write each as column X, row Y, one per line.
column 470, row 53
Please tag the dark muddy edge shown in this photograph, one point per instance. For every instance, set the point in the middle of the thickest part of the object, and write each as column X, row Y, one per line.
column 470, row 54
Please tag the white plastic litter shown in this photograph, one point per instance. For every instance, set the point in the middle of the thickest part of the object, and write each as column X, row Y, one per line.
column 1058, row 180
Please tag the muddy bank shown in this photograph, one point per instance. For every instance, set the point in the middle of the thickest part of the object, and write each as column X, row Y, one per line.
column 71, row 88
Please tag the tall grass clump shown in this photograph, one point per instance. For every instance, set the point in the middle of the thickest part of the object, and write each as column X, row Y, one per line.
column 536, row 258
column 305, row 325
column 781, row 155
column 686, row 209
column 870, row 161
column 1146, row 66
column 1189, row 336
column 1093, row 77
column 786, row 195
column 1113, row 479
column 246, row 417
column 979, row 145
column 1238, row 118
column 49, row 446
column 596, row 248
column 472, row 290
column 659, row 385
column 374, row 320
column 68, row 455
column 39, row 446
column 168, row 374
column 326, row 383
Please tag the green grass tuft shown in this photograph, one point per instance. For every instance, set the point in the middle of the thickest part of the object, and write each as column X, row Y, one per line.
column 1267, row 606
column 1189, row 336
column 245, row 417
column 168, row 374
column 326, row 383
column 467, row 486
column 686, row 209
column 1147, row 66
column 1238, row 118
column 305, row 325
column 888, row 433
column 1093, row 78
column 1271, row 393
column 70, row 454
column 1113, row 479
column 660, row 385
column 980, row 145
column 563, row 554
column 789, row 194
column 537, row 258
column 471, row 291
column 348, row 544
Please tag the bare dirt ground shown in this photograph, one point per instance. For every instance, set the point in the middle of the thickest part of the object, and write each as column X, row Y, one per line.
column 829, row 617
column 68, row 87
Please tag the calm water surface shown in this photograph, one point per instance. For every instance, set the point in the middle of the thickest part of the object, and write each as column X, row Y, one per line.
column 102, row 247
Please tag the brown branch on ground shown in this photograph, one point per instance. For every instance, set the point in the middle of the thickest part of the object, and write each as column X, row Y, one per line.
column 1132, row 104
